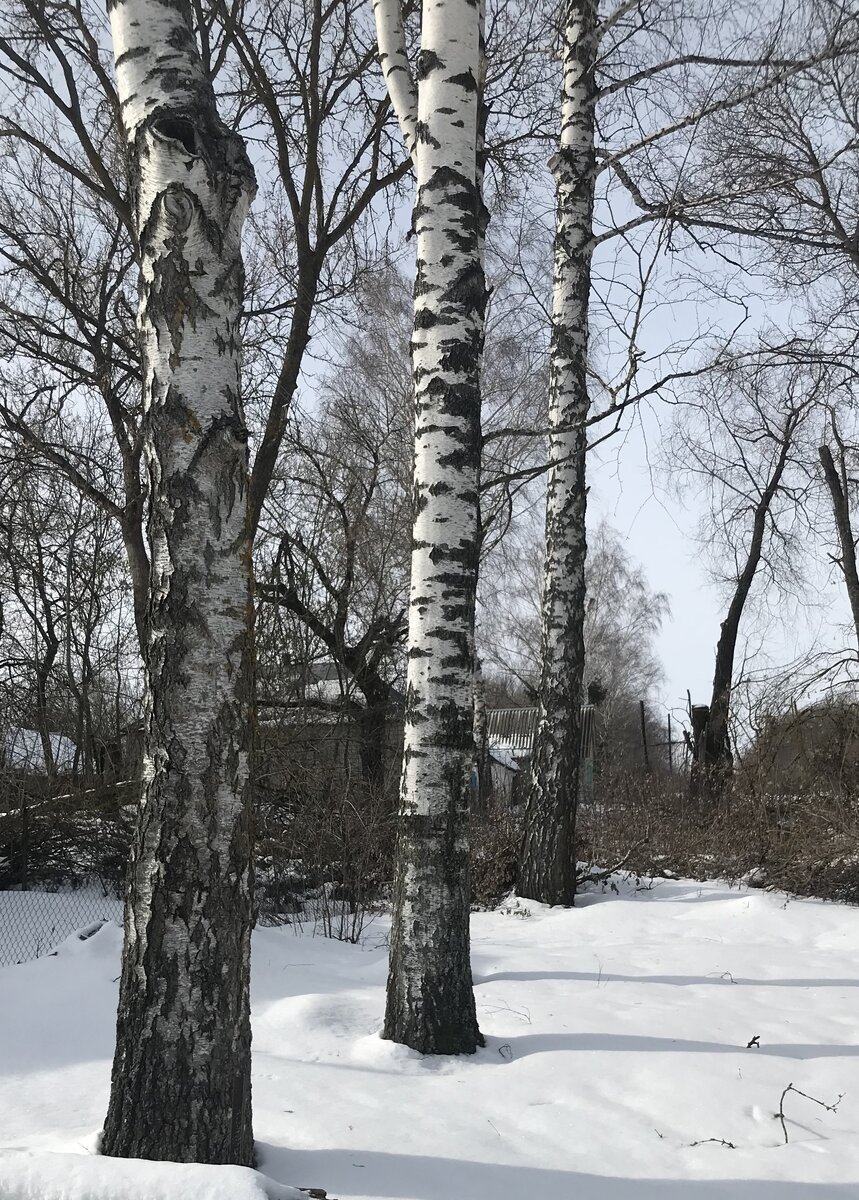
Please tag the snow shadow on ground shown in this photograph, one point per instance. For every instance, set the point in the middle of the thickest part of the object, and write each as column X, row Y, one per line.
column 615, row 1091
column 552, row 1043
column 420, row 1177
column 669, row 980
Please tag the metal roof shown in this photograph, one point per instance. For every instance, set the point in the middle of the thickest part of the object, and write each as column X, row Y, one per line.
column 516, row 728
column 512, row 728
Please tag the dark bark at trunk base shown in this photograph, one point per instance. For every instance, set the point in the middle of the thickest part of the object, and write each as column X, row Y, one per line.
column 187, row 994
column 430, row 997
column 547, row 870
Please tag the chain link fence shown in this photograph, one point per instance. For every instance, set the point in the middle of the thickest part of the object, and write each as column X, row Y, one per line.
column 323, row 855
column 63, row 848
column 34, row 923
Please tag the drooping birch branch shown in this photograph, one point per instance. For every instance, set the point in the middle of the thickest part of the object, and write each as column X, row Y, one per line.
column 396, row 69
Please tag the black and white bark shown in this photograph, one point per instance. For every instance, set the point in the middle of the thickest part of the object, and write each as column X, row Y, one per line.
column 180, row 1088
column 396, row 68
column 430, row 1000
column 547, row 867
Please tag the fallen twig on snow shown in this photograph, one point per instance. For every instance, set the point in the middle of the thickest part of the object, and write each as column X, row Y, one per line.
column 605, row 875
column 790, row 1088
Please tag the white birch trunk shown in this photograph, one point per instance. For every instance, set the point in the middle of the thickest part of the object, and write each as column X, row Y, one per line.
column 180, row 1088
column 430, row 1001
column 548, row 868
column 396, row 69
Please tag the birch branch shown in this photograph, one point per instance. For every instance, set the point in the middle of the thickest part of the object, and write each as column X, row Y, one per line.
column 724, row 105
column 699, row 60
column 396, row 69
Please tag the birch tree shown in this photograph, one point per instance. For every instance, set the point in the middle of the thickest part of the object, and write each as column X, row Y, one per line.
column 623, row 619
column 300, row 78
column 548, row 868
column 430, row 1001
column 180, row 1088
column 338, row 518
column 610, row 71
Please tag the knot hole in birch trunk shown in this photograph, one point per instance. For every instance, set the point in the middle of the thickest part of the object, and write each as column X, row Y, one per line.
column 178, row 208
column 177, row 129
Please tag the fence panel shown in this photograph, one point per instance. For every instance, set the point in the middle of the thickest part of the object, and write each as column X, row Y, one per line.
column 34, row 923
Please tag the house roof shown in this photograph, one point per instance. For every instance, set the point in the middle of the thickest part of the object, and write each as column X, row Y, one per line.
column 511, row 728
column 328, row 682
column 325, row 672
column 515, row 729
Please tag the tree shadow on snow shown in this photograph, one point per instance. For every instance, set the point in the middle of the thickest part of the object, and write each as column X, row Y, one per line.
column 522, row 1045
column 421, row 1177
column 720, row 980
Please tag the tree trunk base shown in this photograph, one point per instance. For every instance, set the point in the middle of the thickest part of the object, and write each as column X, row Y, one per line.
column 462, row 1037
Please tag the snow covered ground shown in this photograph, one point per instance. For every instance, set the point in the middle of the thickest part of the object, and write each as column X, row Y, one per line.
column 616, row 1039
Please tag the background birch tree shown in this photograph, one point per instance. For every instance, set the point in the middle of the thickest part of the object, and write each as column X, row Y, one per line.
column 548, row 867
column 615, row 129
column 623, row 617
column 430, row 1001
column 180, row 1087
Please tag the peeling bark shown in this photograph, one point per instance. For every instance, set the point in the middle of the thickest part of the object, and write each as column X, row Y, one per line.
column 548, row 868
column 430, row 1001
column 180, row 1088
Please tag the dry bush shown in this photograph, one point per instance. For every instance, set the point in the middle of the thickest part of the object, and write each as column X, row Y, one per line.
column 61, row 834
column 805, row 750
column 804, row 843
column 324, row 855
column 495, row 840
